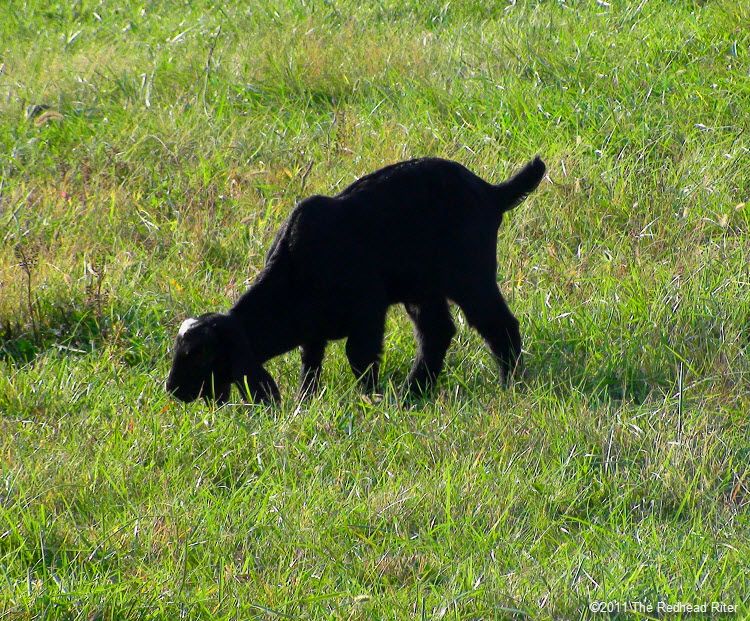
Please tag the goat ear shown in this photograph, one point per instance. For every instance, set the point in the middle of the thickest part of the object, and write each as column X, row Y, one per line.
column 258, row 385
column 218, row 394
column 253, row 381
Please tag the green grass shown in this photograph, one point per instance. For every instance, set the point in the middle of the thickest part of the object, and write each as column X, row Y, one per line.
column 177, row 140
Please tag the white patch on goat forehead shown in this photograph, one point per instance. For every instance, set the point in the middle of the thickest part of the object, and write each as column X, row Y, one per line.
column 186, row 325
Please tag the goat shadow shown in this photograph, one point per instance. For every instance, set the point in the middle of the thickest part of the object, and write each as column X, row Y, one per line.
column 565, row 361
column 559, row 356
column 78, row 330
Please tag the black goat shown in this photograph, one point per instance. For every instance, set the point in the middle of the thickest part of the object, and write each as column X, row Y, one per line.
column 420, row 232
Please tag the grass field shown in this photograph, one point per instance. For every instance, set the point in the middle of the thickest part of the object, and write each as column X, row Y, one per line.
column 180, row 134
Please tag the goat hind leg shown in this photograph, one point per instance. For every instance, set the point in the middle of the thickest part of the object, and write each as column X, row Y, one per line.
column 488, row 313
column 434, row 329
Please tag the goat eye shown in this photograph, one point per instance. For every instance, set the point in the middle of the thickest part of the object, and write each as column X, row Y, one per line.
column 199, row 352
column 187, row 353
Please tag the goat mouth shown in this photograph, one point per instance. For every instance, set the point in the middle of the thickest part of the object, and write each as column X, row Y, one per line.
column 180, row 394
column 184, row 398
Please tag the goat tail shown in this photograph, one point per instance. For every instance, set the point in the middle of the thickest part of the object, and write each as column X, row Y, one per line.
column 512, row 192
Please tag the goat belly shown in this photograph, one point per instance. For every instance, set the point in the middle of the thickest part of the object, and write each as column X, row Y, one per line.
column 320, row 317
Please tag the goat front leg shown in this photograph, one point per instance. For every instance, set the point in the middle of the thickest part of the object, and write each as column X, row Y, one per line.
column 312, row 365
column 364, row 346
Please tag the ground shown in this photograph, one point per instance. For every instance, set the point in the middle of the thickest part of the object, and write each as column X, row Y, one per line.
column 148, row 153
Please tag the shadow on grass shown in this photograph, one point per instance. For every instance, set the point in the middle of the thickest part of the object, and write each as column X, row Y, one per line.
column 61, row 328
column 76, row 331
column 624, row 366
column 566, row 361
column 630, row 367
column 602, row 377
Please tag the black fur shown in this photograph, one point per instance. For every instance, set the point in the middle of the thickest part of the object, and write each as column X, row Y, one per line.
column 421, row 233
